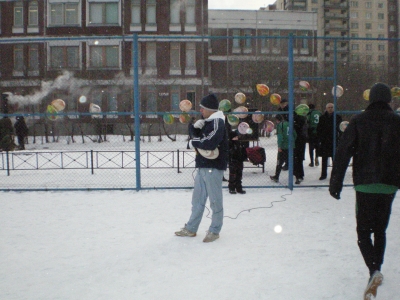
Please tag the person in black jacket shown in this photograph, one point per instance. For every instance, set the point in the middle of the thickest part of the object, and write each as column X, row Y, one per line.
column 372, row 138
column 237, row 155
column 325, row 133
column 21, row 130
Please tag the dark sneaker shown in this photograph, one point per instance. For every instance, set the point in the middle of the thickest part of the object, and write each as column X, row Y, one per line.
column 273, row 178
column 322, row 178
column 232, row 191
column 297, row 181
column 185, row 232
column 210, row 237
column 372, row 287
column 316, row 161
column 284, row 168
column 311, row 165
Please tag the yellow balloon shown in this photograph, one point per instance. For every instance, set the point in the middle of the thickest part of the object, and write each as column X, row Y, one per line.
column 366, row 94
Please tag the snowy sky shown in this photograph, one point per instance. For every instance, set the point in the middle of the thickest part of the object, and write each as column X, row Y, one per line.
column 238, row 4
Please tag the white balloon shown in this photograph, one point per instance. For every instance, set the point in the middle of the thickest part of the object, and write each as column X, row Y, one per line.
column 82, row 99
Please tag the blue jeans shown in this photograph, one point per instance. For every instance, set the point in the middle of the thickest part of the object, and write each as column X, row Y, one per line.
column 207, row 183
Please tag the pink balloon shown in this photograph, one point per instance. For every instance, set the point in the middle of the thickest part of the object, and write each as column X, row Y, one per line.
column 243, row 128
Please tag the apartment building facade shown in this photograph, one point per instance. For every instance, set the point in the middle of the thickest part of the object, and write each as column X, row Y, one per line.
column 90, row 41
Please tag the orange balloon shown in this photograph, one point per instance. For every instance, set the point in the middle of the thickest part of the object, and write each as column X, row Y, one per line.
column 262, row 89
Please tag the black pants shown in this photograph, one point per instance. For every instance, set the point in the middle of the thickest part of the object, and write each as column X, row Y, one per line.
column 298, row 168
column 372, row 215
column 312, row 145
column 324, row 167
column 21, row 142
column 283, row 157
column 235, row 174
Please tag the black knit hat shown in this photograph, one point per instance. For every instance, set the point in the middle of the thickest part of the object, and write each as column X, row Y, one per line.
column 209, row 102
column 380, row 92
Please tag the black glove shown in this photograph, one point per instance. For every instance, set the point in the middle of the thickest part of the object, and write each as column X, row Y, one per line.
column 334, row 193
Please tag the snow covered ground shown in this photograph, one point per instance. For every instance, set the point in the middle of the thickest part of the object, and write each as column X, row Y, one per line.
column 121, row 245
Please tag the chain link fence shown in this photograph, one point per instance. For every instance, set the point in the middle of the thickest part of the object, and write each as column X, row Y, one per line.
column 119, row 124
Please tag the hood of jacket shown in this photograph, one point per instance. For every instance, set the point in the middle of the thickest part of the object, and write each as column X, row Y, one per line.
column 217, row 115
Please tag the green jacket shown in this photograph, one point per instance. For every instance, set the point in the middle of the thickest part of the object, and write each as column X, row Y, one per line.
column 283, row 135
column 313, row 120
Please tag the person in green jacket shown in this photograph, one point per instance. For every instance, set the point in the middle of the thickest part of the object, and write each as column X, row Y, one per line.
column 312, row 121
column 282, row 129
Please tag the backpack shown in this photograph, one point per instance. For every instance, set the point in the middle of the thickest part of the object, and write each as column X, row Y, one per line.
column 256, row 155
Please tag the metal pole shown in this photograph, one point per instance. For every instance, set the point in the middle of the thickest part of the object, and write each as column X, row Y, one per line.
column 136, row 106
column 291, row 109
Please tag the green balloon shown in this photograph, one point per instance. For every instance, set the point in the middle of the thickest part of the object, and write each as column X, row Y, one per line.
column 224, row 105
column 233, row 120
column 302, row 110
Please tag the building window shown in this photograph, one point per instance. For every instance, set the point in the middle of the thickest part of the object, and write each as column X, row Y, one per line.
column 392, row 28
column 151, row 60
column 236, row 39
column 380, row 5
column 175, row 97
column 175, row 11
column 18, row 58
column 368, row 15
column 355, row 57
column 381, row 16
column 355, row 47
column 368, row 4
column 136, row 12
column 33, row 63
column 64, row 14
column 264, row 40
column 104, row 56
column 276, row 42
column 247, row 40
column 368, row 47
column 190, row 12
column 354, row 35
column 304, row 43
column 381, row 36
column 151, row 11
column 175, row 56
column 368, row 35
column 368, row 57
column 101, row 13
column 18, row 14
column 353, row 3
column 33, row 13
column 381, row 58
column 354, row 25
column 381, row 26
column 368, row 26
column 381, row 47
column 151, row 100
column 64, row 57
column 354, row 15
column 190, row 58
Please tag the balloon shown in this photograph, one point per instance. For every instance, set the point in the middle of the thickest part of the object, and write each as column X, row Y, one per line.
column 240, row 98
column 243, row 127
column 275, row 99
column 58, row 104
column 82, row 99
column 339, row 91
column 233, row 120
column 304, row 85
column 241, row 109
column 257, row 118
column 302, row 110
column 94, row 108
column 168, row 119
column 209, row 154
column 366, row 94
column 269, row 126
column 224, row 105
column 53, row 111
column 184, row 118
column 343, row 126
column 395, row 91
column 185, row 105
column 262, row 89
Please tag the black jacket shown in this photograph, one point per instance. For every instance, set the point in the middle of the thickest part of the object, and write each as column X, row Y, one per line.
column 372, row 138
column 20, row 127
column 325, row 134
